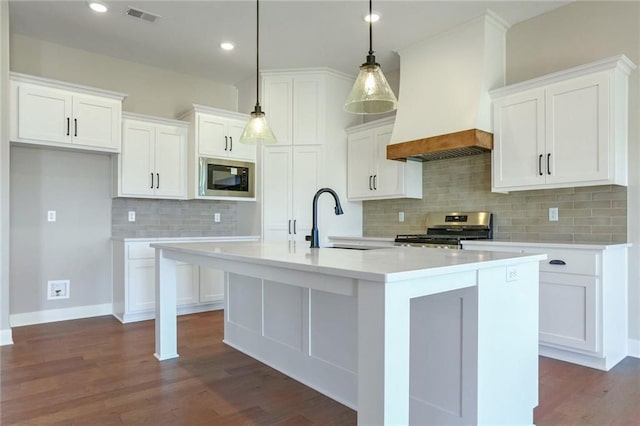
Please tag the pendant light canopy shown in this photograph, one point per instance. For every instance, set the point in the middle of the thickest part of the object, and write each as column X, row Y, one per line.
column 257, row 130
column 371, row 93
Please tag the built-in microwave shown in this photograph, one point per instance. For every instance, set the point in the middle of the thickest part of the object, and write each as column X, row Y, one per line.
column 226, row 178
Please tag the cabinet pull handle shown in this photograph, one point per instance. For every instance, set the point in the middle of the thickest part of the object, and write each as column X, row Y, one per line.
column 294, row 227
column 540, row 164
column 226, row 143
column 68, row 126
column 75, row 127
column 158, row 183
column 370, row 186
column 375, row 182
column 557, row 262
column 231, row 143
column 289, row 226
column 549, row 163
column 151, row 180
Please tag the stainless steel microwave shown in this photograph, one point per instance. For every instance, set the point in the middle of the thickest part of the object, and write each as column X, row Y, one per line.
column 226, row 178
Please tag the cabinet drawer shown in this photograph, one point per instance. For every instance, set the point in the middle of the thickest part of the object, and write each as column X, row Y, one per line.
column 141, row 251
column 575, row 261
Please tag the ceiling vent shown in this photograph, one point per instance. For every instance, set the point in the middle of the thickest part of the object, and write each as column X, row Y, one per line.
column 141, row 14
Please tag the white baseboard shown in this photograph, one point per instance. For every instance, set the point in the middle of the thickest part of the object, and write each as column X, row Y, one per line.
column 6, row 338
column 53, row 315
column 634, row 348
column 182, row 310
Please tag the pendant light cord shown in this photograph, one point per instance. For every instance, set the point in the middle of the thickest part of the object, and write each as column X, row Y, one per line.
column 370, row 28
column 257, row 52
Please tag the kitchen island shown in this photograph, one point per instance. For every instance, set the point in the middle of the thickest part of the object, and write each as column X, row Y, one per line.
column 403, row 335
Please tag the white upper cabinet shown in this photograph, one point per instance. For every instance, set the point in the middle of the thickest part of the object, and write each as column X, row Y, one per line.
column 153, row 163
column 370, row 175
column 565, row 129
column 294, row 106
column 214, row 133
column 53, row 113
column 219, row 137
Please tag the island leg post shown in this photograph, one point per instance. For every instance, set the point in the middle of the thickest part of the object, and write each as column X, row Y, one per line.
column 166, row 322
column 383, row 354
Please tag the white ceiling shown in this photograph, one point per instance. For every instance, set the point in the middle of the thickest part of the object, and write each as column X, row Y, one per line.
column 293, row 34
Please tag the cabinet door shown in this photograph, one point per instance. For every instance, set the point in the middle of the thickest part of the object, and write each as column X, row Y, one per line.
column 519, row 156
column 170, row 162
column 568, row 314
column 577, row 115
column 211, row 285
column 388, row 178
column 136, row 159
column 187, row 284
column 306, row 112
column 212, row 136
column 306, row 181
column 236, row 149
column 96, row 122
column 277, row 193
column 141, row 287
column 278, row 101
column 360, row 153
column 44, row 114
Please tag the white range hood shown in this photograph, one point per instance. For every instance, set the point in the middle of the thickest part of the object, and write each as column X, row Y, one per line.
column 444, row 108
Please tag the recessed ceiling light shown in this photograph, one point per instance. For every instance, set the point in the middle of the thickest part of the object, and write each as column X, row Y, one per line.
column 98, row 7
column 227, row 45
column 375, row 17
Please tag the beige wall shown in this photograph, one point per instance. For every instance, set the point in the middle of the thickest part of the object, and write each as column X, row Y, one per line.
column 150, row 90
column 5, row 330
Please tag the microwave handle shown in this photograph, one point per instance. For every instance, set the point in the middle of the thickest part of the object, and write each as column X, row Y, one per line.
column 203, row 176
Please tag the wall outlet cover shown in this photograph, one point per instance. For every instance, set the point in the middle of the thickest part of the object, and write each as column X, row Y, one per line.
column 51, row 216
column 553, row 214
column 58, row 289
column 132, row 216
column 216, row 217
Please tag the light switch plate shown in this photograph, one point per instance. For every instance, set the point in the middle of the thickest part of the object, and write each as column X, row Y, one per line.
column 400, row 216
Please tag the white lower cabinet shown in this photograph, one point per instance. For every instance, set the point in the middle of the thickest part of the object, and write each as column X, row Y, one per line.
column 583, row 300
column 199, row 288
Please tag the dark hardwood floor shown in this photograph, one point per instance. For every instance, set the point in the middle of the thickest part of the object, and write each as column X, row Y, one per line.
column 99, row 372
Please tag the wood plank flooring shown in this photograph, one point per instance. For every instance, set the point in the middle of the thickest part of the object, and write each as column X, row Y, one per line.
column 97, row 371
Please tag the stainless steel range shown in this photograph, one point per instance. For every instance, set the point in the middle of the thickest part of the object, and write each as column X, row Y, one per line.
column 448, row 229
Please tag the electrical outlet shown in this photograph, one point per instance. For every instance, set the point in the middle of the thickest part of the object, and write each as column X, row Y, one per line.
column 553, row 214
column 51, row 216
column 400, row 216
column 58, row 289
column 216, row 217
column 132, row 216
column 512, row 273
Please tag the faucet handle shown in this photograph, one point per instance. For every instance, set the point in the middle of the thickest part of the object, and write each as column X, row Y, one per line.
column 307, row 237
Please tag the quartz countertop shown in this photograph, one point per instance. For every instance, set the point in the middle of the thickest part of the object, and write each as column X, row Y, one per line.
column 185, row 239
column 386, row 264
column 543, row 245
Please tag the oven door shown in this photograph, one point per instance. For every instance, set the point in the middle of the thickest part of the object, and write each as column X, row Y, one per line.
column 226, row 178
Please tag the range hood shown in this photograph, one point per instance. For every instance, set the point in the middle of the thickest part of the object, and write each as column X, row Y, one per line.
column 444, row 108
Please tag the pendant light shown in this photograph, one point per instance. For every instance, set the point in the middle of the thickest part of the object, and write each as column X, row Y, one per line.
column 257, row 129
column 371, row 93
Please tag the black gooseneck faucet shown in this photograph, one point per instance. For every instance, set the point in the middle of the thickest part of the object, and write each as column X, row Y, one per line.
column 314, row 228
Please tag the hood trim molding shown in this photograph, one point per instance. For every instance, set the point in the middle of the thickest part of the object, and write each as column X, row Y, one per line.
column 450, row 145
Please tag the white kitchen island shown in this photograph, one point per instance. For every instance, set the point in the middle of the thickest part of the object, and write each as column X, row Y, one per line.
column 403, row 335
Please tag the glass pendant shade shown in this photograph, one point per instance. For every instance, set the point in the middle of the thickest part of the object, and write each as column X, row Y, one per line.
column 257, row 130
column 371, row 93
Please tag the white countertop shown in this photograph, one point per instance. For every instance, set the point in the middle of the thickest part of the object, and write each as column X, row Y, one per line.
column 186, row 239
column 380, row 264
column 540, row 245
